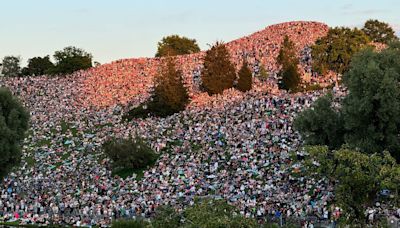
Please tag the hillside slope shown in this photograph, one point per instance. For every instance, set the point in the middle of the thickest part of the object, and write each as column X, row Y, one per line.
column 130, row 80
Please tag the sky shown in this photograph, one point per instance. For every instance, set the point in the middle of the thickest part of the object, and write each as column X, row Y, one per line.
column 116, row 29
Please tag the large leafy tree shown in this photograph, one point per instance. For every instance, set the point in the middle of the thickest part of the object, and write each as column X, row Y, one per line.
column 245, row 80
column 379, row 31
column 335, row 50
column 215, row 213
column 219, row 72
column 358, row 177
column 38, row 66
column 71, row 59
column 321, row 124
column 287, row 59
column 369, row 113
column 372, row 108
column 176, row 45
column 11, row 66
column 13, row 124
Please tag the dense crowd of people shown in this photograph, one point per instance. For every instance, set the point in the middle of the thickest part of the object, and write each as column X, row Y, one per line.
column 125, row 80
column 236, row 146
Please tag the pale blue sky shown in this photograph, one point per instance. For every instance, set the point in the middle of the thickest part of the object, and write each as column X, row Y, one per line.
column 116, row 29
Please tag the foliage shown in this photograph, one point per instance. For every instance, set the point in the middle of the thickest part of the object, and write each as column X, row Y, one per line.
column 169, row 89
column 13, row 124
column 334, row 51
column 245, row 78
column 262, row 74
column 215, row 213
column 287, row 59
column 321, row 124
column 71, row 59
column 134, row 223
column 129, row 153
column 11, row 66
column 166, row 217
column 218, row 73
column 369, row 113
column 372, row 108
column 359, row 177
column 379, row 31
column 169, row 96
column 176, row 45
column 38, row 66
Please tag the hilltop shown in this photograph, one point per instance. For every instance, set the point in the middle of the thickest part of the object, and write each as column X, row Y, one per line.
column 130, row 80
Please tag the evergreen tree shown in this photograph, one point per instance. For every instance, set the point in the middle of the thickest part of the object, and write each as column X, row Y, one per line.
column 379, row 31
column 245, row 78
column 169, row 91
column 13, row 124
column 218, row 73
column 169, row 95
column 289, row 74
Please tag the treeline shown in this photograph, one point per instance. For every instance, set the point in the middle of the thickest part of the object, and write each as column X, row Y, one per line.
column 67, row 61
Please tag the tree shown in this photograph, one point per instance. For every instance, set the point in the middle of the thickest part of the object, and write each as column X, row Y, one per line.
column 129, row 153
column 289, row 74
column 71, row 59
column 215, row 213
column 369, row 112
column 13, row 124
column 379, row 31
column 169, row 96
column 335, row 50
column 38, row 66
column 133, row 223
column 169, row 89
column 166, row 217
column 245, row 80
column 176, row 45
column 321, row 124
column 219, row 73
column 358, row 177
column 11, row 66
column 372, row 108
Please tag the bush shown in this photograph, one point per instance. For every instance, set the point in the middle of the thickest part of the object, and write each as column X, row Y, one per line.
column 13, row 124
column 123, row 223
column 129, row 153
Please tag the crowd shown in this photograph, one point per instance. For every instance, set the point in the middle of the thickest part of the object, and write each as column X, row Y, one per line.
column 237, row 146
column 123, row 80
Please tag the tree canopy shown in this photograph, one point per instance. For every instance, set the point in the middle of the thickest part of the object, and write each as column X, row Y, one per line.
column 321, row 124
column 169, row 95
column 379, row 31
column 14, row 120
column 245, row 79
column 11, row 66
column 358, row 177
column 369, row 113
column 219, row 73
column 287, row 59
column 38, row 66
column 176, row 45
column 335, row 51
column 71, row 59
